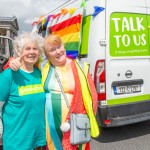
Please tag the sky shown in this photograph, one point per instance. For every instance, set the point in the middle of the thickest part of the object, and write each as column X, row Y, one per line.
column 27, row 11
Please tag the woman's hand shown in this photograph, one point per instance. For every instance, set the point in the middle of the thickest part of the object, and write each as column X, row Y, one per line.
column 15, row 63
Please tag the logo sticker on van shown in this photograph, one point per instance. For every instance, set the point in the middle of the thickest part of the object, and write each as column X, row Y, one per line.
column 129, row 35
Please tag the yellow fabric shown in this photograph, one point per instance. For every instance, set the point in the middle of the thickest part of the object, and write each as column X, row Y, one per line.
column 85, row 94
column 48, row 138
column 88, row 99
column 45, row 71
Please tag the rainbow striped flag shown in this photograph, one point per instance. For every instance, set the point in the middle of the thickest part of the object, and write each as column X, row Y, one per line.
column 69, row 31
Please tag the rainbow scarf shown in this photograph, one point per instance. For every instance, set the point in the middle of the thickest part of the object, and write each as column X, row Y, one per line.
column 69, row 31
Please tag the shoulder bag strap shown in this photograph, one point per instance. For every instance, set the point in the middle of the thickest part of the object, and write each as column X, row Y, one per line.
column 61, row 87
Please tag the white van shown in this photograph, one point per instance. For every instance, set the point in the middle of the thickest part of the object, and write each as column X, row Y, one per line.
column 115, row 41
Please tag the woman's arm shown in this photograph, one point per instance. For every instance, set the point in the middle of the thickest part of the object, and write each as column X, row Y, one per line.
column 7, row 64
column 15, row 62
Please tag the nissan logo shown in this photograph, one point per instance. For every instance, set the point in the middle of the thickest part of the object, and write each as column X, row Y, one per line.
column 129, row 74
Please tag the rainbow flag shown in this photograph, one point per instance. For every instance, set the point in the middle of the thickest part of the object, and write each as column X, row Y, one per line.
column 69, row 31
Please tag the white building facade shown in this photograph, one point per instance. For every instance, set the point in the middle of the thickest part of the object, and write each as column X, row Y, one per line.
column 9, row 26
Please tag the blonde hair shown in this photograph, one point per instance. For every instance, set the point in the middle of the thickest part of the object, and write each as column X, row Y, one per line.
column 53, row 40
column 24, row 38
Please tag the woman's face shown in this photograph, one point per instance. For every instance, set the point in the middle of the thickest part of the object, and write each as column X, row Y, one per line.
column 30, row 53
column 56, row 54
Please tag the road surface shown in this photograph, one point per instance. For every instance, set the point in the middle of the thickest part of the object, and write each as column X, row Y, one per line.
column 130, row 137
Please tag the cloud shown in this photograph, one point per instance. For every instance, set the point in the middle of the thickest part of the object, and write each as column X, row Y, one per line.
column 27, row 11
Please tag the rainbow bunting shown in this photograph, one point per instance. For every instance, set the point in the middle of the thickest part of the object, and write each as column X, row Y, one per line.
column 97, row 10
column 69, row 31
column 35, row 22
column 72, row 10
column 83, row 3
column 64, row 11
column 49, row 17
column 57, row 15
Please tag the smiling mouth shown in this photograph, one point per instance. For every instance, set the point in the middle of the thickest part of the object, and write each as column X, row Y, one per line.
column 59, row 56
column 32, row 57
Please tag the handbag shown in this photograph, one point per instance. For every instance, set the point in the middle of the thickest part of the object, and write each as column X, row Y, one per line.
column 79, row 123
column 80, row 129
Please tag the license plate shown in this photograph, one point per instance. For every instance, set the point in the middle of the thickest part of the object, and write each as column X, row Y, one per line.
column 128, row 89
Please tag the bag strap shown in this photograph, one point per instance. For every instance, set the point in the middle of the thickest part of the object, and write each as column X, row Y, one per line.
column 61, row 87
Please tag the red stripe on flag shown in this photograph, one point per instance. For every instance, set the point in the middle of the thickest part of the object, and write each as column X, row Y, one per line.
column 68, row 22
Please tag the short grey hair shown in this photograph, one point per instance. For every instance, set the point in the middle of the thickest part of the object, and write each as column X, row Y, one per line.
column 24, row 38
